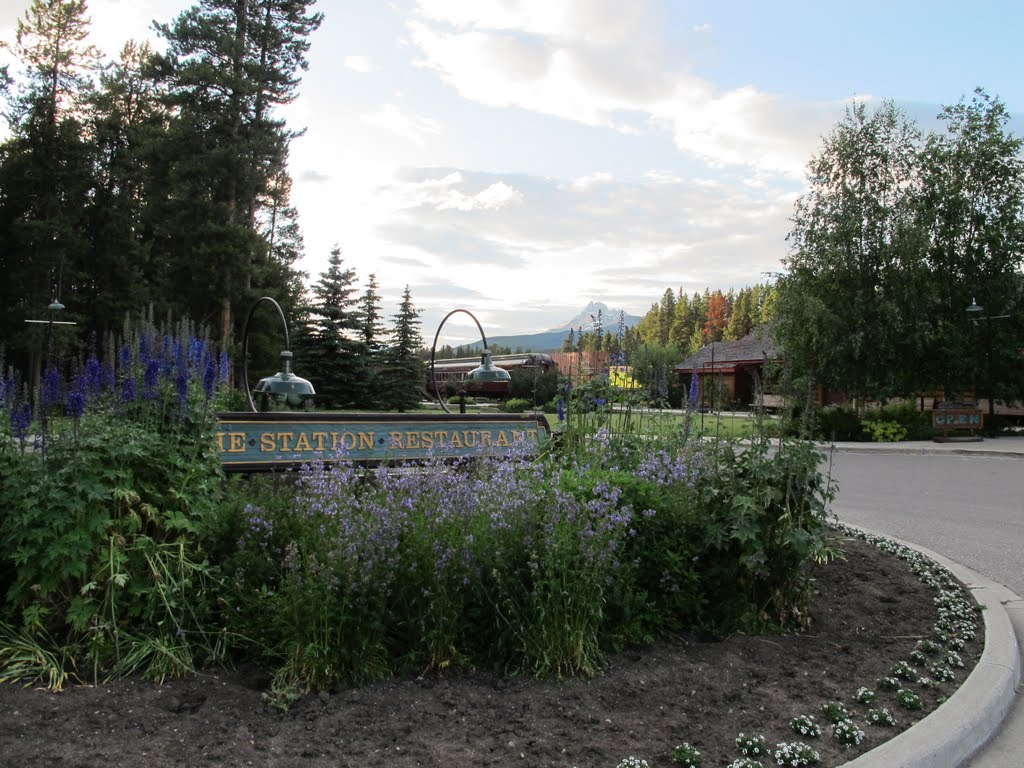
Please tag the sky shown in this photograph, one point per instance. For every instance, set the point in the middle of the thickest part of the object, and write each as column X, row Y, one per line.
column 521, row 158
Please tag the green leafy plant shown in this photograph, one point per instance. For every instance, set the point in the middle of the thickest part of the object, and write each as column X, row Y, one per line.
column 865, row 696
column 885, row 431
column 908, row 699
column 847, row 732
column 880, row 716
column 805, row 725
column 795, row 753
column 687, row 755
column 834, row 711
column 751, row 745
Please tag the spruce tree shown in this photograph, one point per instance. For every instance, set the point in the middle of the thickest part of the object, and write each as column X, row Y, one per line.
column 229, row 65
column 404, row 376
column 328, row 342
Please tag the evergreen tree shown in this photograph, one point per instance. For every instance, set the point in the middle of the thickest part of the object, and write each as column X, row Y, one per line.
column 46, row 172
column 404, row 375
column 229, row 64
column 129, row 125
column 329, row 339
column 371, row 335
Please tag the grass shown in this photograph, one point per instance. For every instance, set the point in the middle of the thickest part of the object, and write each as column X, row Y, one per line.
column 656, row 422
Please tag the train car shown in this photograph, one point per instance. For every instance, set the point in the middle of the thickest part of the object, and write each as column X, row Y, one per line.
column 451, row 374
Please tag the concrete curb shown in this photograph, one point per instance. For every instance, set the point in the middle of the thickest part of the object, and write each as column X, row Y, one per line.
column 957, row 730
column 938, row 449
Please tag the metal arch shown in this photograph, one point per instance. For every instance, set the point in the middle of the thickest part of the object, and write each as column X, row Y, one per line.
column 245, row 344
column 433, row 351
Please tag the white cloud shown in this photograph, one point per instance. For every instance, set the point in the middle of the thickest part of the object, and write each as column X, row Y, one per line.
column 583, row 61
column 359, row 64
column 414, row 128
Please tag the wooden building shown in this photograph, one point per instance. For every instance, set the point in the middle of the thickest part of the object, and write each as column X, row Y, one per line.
column 729, row 373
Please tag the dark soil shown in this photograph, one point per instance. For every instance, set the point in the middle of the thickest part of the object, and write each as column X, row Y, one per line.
column 867, row 614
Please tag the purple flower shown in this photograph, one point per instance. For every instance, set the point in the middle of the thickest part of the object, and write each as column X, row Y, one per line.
column 561, row 409
column 181, row 388
column 125, row 357
column 209, row 376
column 21, row 420
column 76, row 404
column 93, row 375
column 51, row 393
column 694, row 389
column 144, row 347
column 196, row 352
column 128, row 389
column 76, row 398
column 107, row 377
column 8, row 391
column 151, row 379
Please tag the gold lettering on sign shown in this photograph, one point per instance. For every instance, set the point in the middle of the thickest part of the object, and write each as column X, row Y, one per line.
column 302, row 443
column 236, row 442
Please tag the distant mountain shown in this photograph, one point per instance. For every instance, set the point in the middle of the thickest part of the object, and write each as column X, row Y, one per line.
column 551, row 341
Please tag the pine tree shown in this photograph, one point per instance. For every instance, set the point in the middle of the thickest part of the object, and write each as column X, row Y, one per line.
column 229, row 64
column 328, row 343
column 404, row 375
column 46, row 173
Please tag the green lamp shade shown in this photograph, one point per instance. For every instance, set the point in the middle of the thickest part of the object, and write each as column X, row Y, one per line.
column 286, row 386
column 974, row 308
column 488, row 371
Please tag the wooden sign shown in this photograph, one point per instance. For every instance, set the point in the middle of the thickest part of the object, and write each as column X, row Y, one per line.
column 251, row 441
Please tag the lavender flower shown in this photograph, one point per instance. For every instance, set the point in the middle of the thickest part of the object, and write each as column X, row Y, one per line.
column 128, row 390
column 694, row 389
column 125, row 357
column 21, row 420
column 51, row 393
column 75, row 406
column 210, row 376
column 561, row 409
column 151, row 379
column 93, row 375
column 181, row 387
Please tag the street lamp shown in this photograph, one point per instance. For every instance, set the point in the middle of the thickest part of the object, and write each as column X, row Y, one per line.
column 974, row 310
column 284, row 384
column 487, row 371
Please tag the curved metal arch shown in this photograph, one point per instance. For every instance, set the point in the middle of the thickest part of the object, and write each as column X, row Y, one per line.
column 245, row 343
column 433, row 351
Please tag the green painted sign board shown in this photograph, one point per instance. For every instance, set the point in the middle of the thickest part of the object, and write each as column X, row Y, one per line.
column 263, row 441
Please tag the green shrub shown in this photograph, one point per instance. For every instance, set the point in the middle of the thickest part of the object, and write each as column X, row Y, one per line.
column 766, row 518
column 885, row 431
column 918, row 424
column 517, row 405
column 837, row 423
column 106, row 523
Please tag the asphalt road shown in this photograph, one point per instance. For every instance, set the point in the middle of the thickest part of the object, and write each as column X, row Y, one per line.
column 970, row 509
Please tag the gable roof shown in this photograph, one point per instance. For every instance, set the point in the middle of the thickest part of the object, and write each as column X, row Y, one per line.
column 755, row 347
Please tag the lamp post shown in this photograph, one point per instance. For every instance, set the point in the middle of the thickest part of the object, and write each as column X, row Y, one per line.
column 295, row 390
column 974, row 311
column 486, row 371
